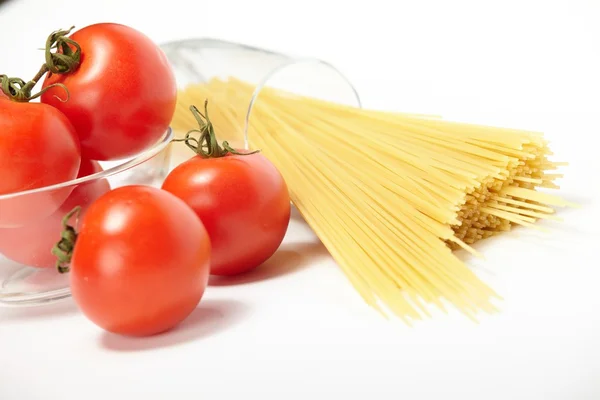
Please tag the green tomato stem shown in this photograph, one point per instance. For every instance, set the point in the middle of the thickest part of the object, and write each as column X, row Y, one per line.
column 207, row 146
column 68, row 60
column 69, row 57
column 63, row 249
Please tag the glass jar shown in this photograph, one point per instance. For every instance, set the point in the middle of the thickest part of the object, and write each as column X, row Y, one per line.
column 27, row 276
column 199, row 60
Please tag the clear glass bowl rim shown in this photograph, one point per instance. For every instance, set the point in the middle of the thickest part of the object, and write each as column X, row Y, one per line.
column 141, row 158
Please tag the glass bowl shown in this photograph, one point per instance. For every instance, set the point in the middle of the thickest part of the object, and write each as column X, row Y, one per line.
column 32, row 280
column 193, row 61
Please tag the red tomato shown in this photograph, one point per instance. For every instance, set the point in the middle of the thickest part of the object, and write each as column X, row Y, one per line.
column 38, row 147
column 141, row 261
column 31, row 244
column 243, row 202
column 122, row 95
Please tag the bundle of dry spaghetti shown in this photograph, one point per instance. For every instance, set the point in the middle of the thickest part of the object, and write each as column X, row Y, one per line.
column 391, row 195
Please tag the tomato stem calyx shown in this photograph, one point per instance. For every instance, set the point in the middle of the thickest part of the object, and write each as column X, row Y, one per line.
column 207, row 146
column 63, row 250
column 69, row 57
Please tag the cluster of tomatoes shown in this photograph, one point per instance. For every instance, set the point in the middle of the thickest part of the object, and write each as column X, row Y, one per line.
column 139, row 257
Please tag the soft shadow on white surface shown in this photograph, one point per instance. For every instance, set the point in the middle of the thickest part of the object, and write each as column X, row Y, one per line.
column 210, row 318
column 581, row 201
column 290, row 258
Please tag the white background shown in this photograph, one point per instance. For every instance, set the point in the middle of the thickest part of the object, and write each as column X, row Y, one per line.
column 303, row 332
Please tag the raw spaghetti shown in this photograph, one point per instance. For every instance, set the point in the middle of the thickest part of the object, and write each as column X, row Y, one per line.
column 391, row 195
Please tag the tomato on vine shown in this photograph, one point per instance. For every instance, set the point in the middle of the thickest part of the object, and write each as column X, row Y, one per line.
column 241, row 198
column 122, row 89
column 139, row 264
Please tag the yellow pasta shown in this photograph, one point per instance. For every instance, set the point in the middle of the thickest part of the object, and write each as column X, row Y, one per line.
column 391, row 195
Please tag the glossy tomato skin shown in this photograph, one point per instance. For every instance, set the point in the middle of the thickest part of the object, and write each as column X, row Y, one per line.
column 122, row 95
column 31, row 244
column 141, row 261
column 38, row 147
column 243, row 202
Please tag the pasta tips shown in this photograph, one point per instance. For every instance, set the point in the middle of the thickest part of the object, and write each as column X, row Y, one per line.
column 392, row 195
